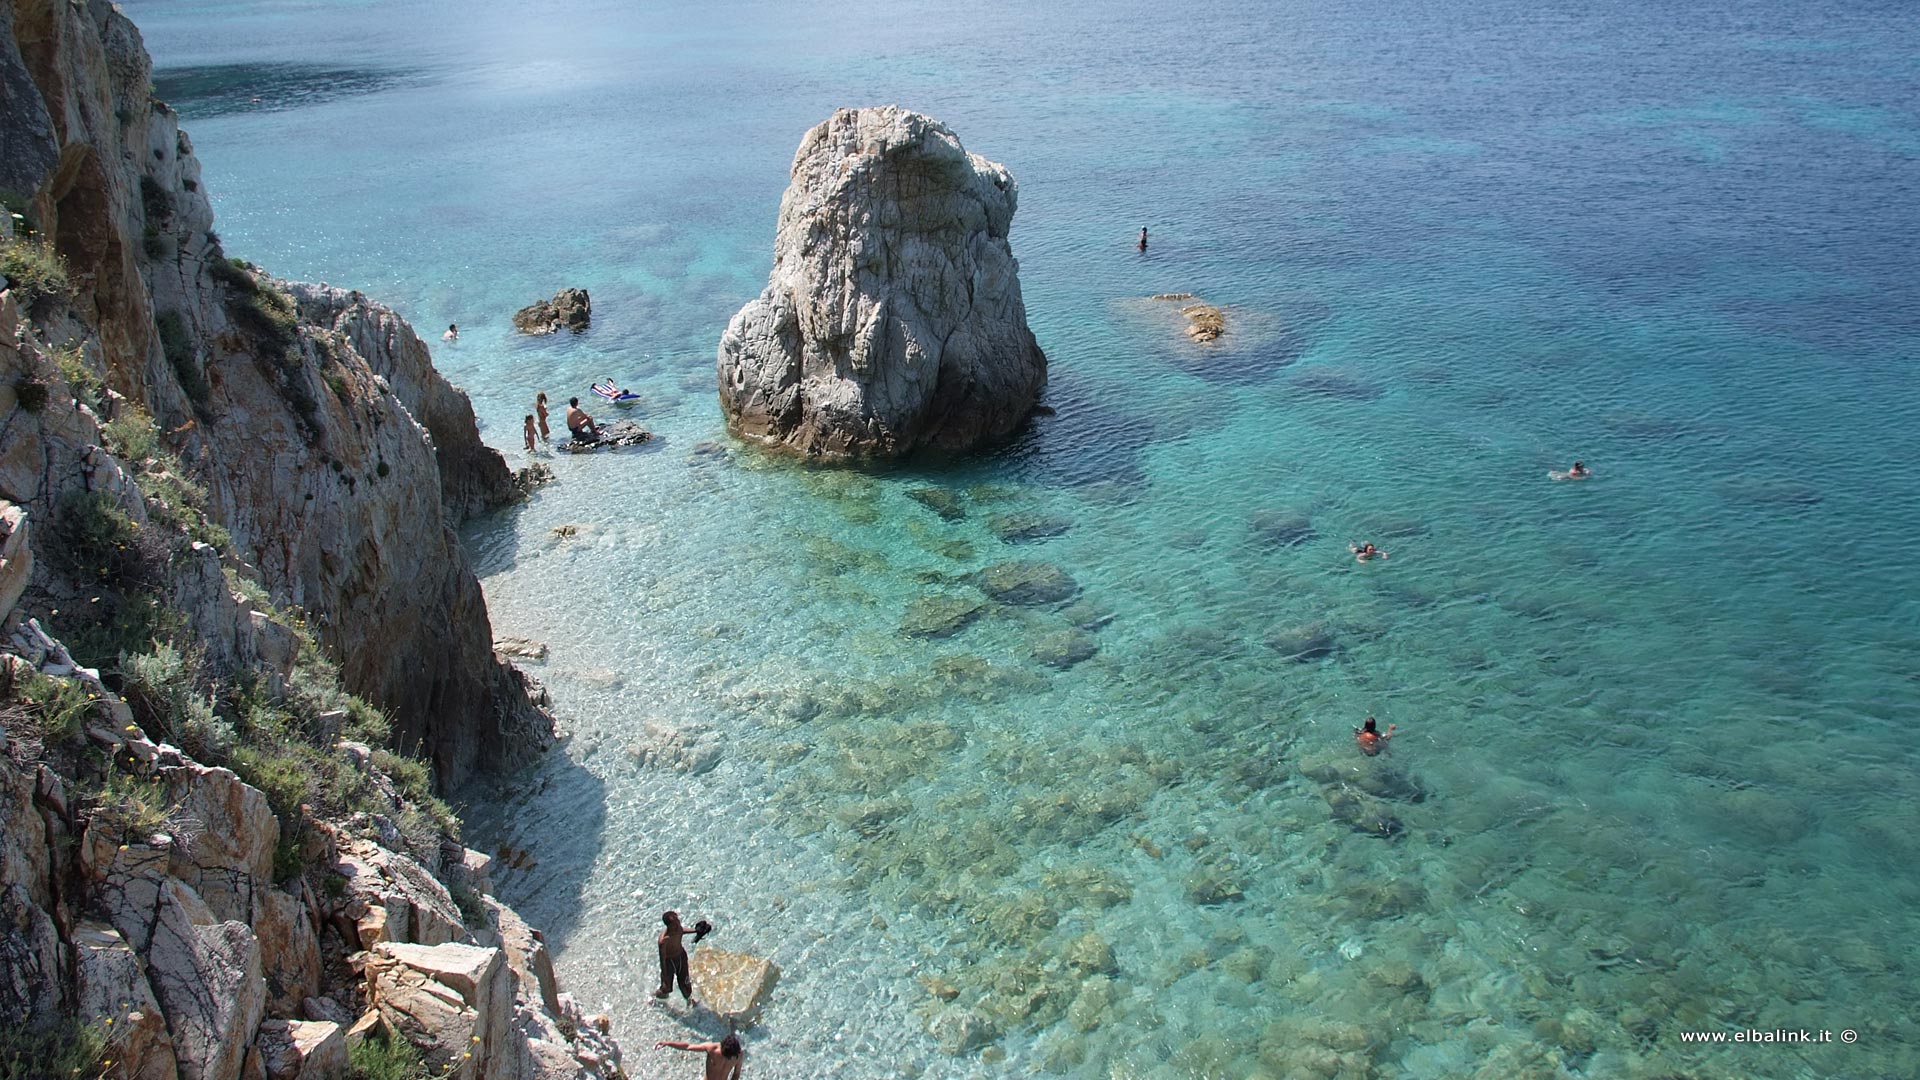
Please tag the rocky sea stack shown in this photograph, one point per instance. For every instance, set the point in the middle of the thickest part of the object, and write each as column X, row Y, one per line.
column 893, row 319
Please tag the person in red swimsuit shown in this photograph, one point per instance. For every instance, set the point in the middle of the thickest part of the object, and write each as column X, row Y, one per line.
column 1371, row 739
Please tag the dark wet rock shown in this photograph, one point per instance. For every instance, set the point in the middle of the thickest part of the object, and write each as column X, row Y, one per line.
column 1189, row 539
column 1373, row 898
column 941, row 501
column 1362, row 813
column 1027, row 583
column 1302, row 641
column 570, row 309
column 1214, row 884
column 1089, row 614
column 1063, row 649
column 870, row 817
column 942, row 615
column 709, row 450
column 1282, row 528
column 962, row 1031
column 615, row 434
column 1335, row 384
column 1370, row 776
column 1091, row 954
column 1025, row 527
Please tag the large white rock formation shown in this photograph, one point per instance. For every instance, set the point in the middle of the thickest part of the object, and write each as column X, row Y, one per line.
column 893, row 317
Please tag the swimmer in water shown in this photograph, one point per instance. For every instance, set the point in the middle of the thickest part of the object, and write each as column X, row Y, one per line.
column 1143, row 238
column 453, row 332
column 1363, row 552
column 1578, row 472
column 1371, row 739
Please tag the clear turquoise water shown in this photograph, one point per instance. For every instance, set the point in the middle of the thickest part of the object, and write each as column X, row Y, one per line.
column 1656, row 767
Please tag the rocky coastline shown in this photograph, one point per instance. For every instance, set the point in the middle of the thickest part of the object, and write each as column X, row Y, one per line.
column 241, row 648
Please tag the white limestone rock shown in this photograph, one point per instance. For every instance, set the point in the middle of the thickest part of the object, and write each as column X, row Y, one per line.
column 206, row 975
column 111, row 985
column 299, row 1050
column 389, row 897
column 893, row 318
column 453, row 1001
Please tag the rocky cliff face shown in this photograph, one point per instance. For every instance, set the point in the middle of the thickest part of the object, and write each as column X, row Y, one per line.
column 336, row 455
column 893, row 317
column 186, row 444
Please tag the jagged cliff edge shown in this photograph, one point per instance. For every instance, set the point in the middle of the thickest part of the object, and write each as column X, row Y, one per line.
column 232, row 495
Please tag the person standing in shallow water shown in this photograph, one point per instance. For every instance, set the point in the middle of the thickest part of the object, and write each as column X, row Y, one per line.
column 724, row 1058
column 1143, row 238
column 673, row 956
column 529, row 433
column 540, row 410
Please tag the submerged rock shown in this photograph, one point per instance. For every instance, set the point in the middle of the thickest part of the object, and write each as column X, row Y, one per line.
column 1303, row 641
column 1065, row 648
column 941, row 501
column 1282, row 528
column 570, row 309
column 939, row 616
column 1027, row 584
column 732, row 984
column 1027, row 527
column 893, row 317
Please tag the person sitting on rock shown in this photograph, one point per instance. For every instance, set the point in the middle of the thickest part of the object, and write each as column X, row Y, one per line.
column 578, row 422
column 724, row 1058
column 1365, row 551
column 673, row 956
column 1371, row 739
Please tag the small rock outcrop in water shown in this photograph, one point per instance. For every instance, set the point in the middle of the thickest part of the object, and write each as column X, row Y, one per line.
column 570, row 309
column 1205, row 322
column 893, row 317
column 616, row 433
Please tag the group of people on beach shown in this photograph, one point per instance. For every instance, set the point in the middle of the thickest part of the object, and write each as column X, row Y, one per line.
column 723, row 1058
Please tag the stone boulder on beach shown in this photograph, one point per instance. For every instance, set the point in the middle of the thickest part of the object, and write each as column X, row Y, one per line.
column 893, row 318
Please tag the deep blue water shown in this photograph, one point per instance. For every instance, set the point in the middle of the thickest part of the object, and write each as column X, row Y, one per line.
column 1656, row 766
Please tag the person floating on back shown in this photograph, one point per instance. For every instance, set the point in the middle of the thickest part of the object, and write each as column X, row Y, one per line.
column 1143, row 238
column 673, row 956
column 1371, row 739
column 580, row 424
column 1364, row 551
column 724, row 1058
column 453, row 332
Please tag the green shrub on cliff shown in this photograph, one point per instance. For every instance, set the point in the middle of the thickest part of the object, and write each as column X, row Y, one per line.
column 386, row 1057
column 36, row 271
column 164, row 688
column 177, row 346
column 258, row 308
column 69, row 1049
column 53, row 710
